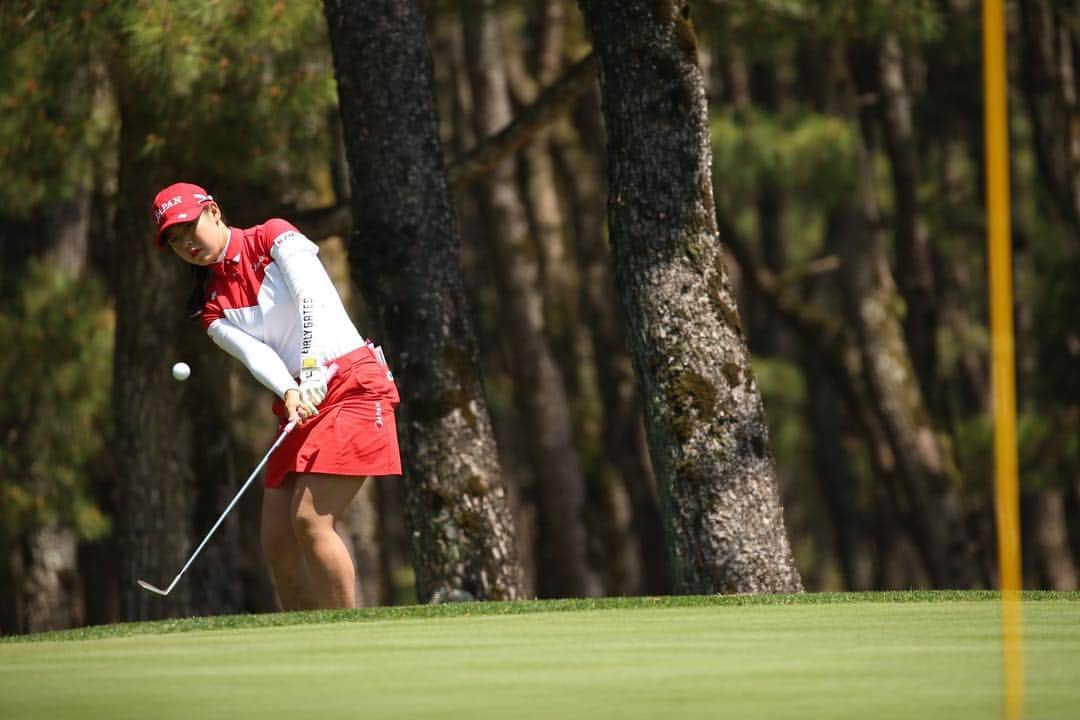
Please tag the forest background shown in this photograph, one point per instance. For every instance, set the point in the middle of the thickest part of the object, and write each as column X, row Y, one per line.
column 847, row 159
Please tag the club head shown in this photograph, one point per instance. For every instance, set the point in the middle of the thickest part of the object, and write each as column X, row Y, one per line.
column 147, row 586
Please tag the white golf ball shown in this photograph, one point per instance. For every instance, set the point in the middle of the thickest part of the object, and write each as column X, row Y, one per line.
column 181, row 371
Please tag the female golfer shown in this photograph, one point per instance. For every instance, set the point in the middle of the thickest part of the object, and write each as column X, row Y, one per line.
column 264, row 297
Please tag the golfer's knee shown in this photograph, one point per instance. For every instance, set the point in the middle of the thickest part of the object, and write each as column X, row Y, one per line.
column 308, row 526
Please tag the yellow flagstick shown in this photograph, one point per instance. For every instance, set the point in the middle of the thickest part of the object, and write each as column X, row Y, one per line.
column 1006, row 490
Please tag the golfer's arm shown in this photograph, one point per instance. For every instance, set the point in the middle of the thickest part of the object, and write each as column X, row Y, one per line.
column 310, row 286
column 259, row 358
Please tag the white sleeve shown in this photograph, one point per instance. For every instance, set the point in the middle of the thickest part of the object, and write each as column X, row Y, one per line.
column 265, row 364
column 310, row 286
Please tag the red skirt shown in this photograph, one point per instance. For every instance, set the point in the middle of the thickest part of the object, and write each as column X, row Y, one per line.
column 354, row 432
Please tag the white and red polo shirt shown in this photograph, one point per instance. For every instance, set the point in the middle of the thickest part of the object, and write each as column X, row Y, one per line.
column 270, row 304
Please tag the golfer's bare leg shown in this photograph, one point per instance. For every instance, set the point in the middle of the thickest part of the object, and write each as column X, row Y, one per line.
column 282, row 550
column 317, row 501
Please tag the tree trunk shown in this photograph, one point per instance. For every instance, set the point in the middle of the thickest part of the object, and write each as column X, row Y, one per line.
column 394, row 561
column 836, row 352
column 612, row 547
column 558, row 279
column 1051, row 91
column 171, row 445
column 762, row 326
column 455, row 93
column 151, row 443
column 68, row 227
column 623, row 433
column 924, row 462
column 1072, row 511
column 763, row 332
column 914, row 269
column 538, row 382
column 405, row 258
column 42, row 589
column 215, row 576
column 703, row 411
column 1046, row 540
column 840, row 489
column 50, row 592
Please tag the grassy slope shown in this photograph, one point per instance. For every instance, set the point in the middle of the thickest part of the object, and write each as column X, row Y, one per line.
column 812, row 656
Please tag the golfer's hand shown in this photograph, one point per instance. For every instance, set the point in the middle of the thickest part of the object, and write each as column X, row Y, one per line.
column 312, row 387
column 297, row 410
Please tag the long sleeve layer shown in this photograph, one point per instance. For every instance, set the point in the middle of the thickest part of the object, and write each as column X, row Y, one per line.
column 259, row 358
column 326, row 330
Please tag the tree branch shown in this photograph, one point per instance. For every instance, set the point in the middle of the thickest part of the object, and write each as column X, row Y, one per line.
column 551, row 103
column 813, row 327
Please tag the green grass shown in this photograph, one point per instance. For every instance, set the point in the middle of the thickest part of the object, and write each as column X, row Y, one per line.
column 880, row 655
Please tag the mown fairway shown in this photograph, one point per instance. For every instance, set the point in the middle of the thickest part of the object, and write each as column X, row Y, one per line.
column 894, row 656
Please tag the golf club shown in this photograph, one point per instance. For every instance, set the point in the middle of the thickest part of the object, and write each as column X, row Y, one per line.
column 288, row 428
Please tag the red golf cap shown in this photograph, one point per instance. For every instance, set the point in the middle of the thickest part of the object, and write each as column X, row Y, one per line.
column 178, row 203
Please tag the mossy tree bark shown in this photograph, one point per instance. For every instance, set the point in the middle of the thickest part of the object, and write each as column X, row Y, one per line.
column 703, row 410
column 834, row 355
column 405, row 256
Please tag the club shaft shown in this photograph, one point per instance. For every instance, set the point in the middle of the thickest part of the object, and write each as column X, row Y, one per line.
column 331, row 371
column 243, row 488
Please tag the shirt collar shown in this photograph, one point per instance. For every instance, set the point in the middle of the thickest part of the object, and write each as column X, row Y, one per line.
column 230, row 256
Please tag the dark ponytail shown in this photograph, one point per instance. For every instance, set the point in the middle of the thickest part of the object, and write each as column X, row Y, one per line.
column 200, row 273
